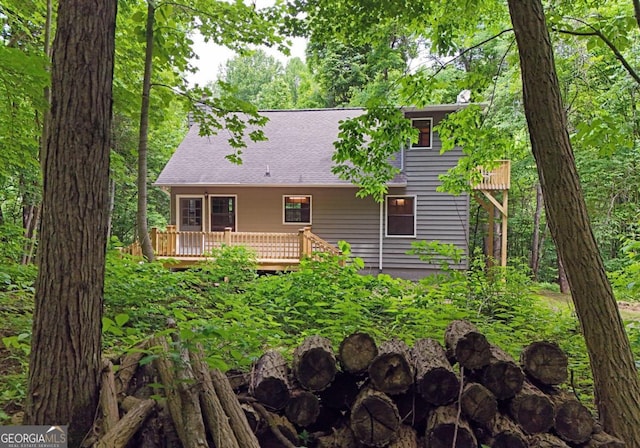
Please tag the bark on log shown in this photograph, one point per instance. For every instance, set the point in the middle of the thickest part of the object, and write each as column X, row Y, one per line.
column 108, row 398
column 406, row 437
column 392, row 371
column 573, row 422
column 356, row 353
column 342, row 392
column 127, row 426
column 314, row 363
column 374, row 418
column 532, row 410
column 467, row 345
column 129, row 365
column 502, row 376
column 435, row 379
column 603, row 440
column 545, row 362
column 231, row 406
column 269, row 383
column 278, row 433
column 502, row 432
column 215, row 417
column 546, row 441
column 303, row 408
column 478, row 403
column 182, row 401
column 446, row 429
column 341, row 437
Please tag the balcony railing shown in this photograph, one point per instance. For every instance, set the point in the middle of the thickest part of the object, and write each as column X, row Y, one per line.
column 498, row 178
column 270, row 248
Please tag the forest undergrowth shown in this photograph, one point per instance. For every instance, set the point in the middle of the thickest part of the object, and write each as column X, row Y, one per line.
column 235, row 313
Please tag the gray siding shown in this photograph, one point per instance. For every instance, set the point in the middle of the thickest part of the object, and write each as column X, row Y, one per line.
column 440, row 216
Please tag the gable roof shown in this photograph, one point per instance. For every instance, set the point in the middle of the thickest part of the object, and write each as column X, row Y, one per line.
column 297, row 153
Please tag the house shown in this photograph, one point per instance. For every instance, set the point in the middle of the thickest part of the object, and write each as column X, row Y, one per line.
column 285, row 187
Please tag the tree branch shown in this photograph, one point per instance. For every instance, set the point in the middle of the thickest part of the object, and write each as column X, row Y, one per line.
column 608, row 43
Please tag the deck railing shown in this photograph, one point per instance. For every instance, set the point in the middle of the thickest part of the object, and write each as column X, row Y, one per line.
column 268, row 246
column 498, row 178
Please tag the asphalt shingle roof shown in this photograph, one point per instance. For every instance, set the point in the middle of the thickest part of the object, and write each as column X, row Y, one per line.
column 298, row 152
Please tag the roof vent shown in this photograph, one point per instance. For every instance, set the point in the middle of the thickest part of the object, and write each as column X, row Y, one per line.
column 267, row 173
column 464, row 97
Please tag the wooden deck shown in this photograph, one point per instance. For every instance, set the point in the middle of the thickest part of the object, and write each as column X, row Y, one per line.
column 274, row 251
column 498, row 178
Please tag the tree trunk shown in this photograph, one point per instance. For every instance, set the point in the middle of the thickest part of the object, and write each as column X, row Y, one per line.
column 65, row 356
column 563, row 282
column 535, row 239
column 141, row 217
column 618, row 400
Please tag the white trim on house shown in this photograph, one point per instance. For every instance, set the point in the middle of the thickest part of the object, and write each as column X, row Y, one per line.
column 386, row 215
column 284, row 222
column 430, row 119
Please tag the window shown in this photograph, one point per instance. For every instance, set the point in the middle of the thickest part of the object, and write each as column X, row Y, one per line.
column 401, row 216
column 297, row 209
column 190, row 214
column 223, row 213
column 423, row 125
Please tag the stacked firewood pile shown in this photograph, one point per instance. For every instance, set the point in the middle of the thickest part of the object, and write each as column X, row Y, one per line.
column 465, row 393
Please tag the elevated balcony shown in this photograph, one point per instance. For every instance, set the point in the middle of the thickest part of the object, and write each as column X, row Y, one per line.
column 498, row 178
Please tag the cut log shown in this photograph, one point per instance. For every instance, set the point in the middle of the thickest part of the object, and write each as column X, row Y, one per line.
column 546, row 441
column 231, row 406
column 121, row 433
column 182, row 399
column 108, row 398
column 545, row 362
column 342, row 392
column 269, row 384
column 603, row 440
column 392, row 371
column 129, row 365
column 406, row 437
column 532, row 410
column 467, row 345
column 374, row 418
column 356, row 353
column 413, row 409
column 446, row 429
column 573, row 421
column 278, row 433
column 239, row 380
column 478, row 403
column 314, row 363
column 502, row 432
column 341, row 437
column 435, row 379
column 502, row 376
column 215, row 418
column 303, row 408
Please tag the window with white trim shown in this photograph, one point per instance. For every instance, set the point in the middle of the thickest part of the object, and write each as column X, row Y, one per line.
column 297, row 209
column 424, row 127
column 401, row 216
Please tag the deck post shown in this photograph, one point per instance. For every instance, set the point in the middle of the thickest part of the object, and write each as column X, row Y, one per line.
column 171, row 242
column 227, row 236
column 305, row 247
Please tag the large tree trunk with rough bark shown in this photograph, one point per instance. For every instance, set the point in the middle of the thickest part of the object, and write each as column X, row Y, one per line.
column 65, row 357
column 616, row 381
